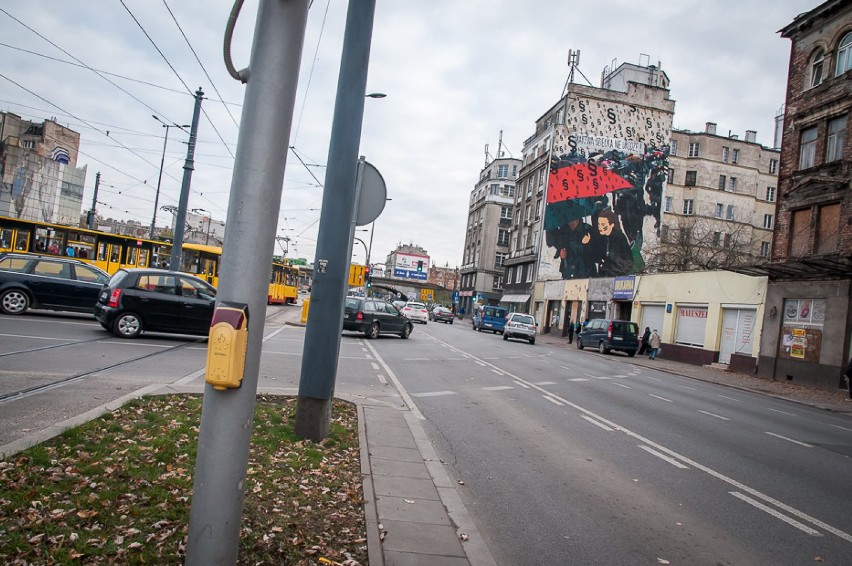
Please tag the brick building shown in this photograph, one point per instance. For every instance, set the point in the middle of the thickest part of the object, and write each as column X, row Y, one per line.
column 807, row 327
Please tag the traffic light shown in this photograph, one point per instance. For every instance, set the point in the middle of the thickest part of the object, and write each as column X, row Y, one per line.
column 419, row 266
column 367, row 282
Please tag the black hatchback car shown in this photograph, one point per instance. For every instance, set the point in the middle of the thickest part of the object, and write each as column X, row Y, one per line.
column 155, row 300
column 607, row 335
column 47, row 282
column 374, row 317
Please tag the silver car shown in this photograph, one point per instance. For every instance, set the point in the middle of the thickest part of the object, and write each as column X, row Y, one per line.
column 520, row 325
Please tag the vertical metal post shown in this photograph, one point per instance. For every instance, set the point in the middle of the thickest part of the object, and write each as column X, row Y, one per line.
column 226, row 422
column 336, row 229
column 93, row 212
column 159, row 180
column 188, row 166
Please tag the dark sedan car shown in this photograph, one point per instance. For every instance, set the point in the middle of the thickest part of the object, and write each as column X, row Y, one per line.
column 41, row 282
column 374, row 317
column 442, row 314
column 155, row 300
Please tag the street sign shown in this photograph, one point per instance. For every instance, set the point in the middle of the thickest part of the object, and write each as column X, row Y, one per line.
column 356, row 275
column 455, row 296
column 426, row 295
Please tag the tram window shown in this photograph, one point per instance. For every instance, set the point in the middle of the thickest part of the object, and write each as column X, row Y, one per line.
column 131, row 256
column 5, row 239
column 115, row 255
column 102, row 251
column 143, row 258
column 84, row 252
column 22, row 243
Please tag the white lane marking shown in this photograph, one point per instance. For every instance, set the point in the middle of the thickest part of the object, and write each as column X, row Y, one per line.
column 660, row 398
column 382, row 379
column 433, row 394
column 480, row 363
column 524, row 385
column 578, row 379
column 784, row 412
column 652, row 378
column 806, row 445
column 457, row 359
column 552, row 400
column 776, row 514
column 497, row 371
column 729, row 398
column 689, row 388
column 671, row 461
column 596, row 423
column 842, row 427
column 715, row 415
column 621, row 385
column 543, row 383
column 603, row 378
column 416, row 359
column 696, row 465
column 406, row 398
column 586, row 374
column 37, row 337
column 498, row 388
column 490, row 358
column 375, row 365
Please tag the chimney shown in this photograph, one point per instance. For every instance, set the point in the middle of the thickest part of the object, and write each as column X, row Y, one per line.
column 751, row 136
column 710, row 128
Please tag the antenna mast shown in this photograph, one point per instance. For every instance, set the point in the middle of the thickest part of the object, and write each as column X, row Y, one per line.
column 486, row 155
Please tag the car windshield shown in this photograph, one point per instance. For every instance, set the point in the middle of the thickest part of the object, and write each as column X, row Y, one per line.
column 416, row 306
column 523, row 318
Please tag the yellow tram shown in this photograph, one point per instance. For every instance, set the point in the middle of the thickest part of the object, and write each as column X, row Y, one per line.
column 112, row 252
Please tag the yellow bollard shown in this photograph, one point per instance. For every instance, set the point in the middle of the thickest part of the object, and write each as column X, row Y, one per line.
column 306, row 306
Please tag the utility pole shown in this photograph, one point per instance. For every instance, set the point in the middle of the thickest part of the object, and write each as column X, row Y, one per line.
column 92, row 213
column 188, row 166
column 227, row 415
column 336, row 229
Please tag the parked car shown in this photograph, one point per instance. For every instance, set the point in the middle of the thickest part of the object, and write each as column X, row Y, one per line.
column 374, row 317
column 416, row 311
column 520, row 325
column 490, row 318
column 442, row 314
column 30, row 281
column 607, row 335
column 155, row 300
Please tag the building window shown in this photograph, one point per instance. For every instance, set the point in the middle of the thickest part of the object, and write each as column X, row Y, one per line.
column 668, row 204
column 497, row 284
column 518, row 271
column 502, row 171
column 691, row 178
column 673, row 147
column 816, row 68
column 770, row 194
column 500, row 259
column 732, row 184
column 836, row 140
column 773, row 166
column 723, row 182
column 527, row 214
column 724, row 155
column 767, row 221
column 800, row 232
column 844, row 55
column 729, row 213
column 717, row 238
column 693, row 149
column 529, row 273
column 670, row 177
column 688, row 206
column 828, row 231
column 538, row 208
column 503, row 238
column 807, row 148
column 719, row 208
column 28, row 144
column 506, row 212
column 735, row 157
column 529, row 186
column 514, row 170
column 764, row 249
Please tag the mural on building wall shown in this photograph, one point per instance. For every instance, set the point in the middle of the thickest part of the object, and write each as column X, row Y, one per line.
column 34, row 182
column 603, row 205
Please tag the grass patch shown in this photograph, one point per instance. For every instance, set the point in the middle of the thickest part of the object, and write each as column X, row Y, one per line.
column 117, row 490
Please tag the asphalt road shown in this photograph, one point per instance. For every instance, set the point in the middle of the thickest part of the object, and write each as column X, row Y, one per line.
column 565, row 457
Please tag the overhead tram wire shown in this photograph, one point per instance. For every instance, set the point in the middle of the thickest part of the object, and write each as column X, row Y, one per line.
column 82, row 63
column 311, row 72
column 293, row 149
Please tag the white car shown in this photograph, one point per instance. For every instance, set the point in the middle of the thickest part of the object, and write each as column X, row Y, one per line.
column 416, row 311
column 520, row 325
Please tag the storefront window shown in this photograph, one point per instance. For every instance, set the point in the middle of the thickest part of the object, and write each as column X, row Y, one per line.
column 801, row 332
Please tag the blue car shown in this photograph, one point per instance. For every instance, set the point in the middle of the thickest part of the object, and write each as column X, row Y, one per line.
column 490, row 318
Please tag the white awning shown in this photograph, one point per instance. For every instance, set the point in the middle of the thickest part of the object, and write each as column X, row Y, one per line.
column 514, row 298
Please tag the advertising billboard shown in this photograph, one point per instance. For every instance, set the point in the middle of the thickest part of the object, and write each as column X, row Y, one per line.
column 410, row 266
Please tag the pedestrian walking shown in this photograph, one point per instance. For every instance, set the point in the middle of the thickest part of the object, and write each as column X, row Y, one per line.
column 849, row 379
column 645, row 338
column 570, row 331
column 654, row 344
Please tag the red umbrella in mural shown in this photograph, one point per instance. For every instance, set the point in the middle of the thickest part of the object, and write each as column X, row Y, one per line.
column 586, row 179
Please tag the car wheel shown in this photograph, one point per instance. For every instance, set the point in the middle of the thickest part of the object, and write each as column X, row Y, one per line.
column 451, row 322
column 579, row 343
column 127, row 325
column 425, row 323
column 406, row 332
column 505, row 336
column 532, row 340
column 603, row 349
column 373, row 331
column 14, row 301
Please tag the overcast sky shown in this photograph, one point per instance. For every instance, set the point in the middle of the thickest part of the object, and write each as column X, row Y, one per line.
column 456, row 72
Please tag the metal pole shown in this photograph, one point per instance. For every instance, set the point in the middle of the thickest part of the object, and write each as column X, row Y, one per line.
column 94, row 201
column 336, row 229
column 188, row 166
column 223, row 440
column 159, row 180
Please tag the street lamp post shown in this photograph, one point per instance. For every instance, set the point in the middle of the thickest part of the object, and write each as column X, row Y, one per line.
column 160, row 177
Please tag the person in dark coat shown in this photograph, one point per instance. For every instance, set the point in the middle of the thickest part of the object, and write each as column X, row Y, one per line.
column 645, row 338
column 849, row 378
column 570, row 331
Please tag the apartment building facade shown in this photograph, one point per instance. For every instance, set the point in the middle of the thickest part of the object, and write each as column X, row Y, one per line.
column 807, row 328
column 488, row 232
